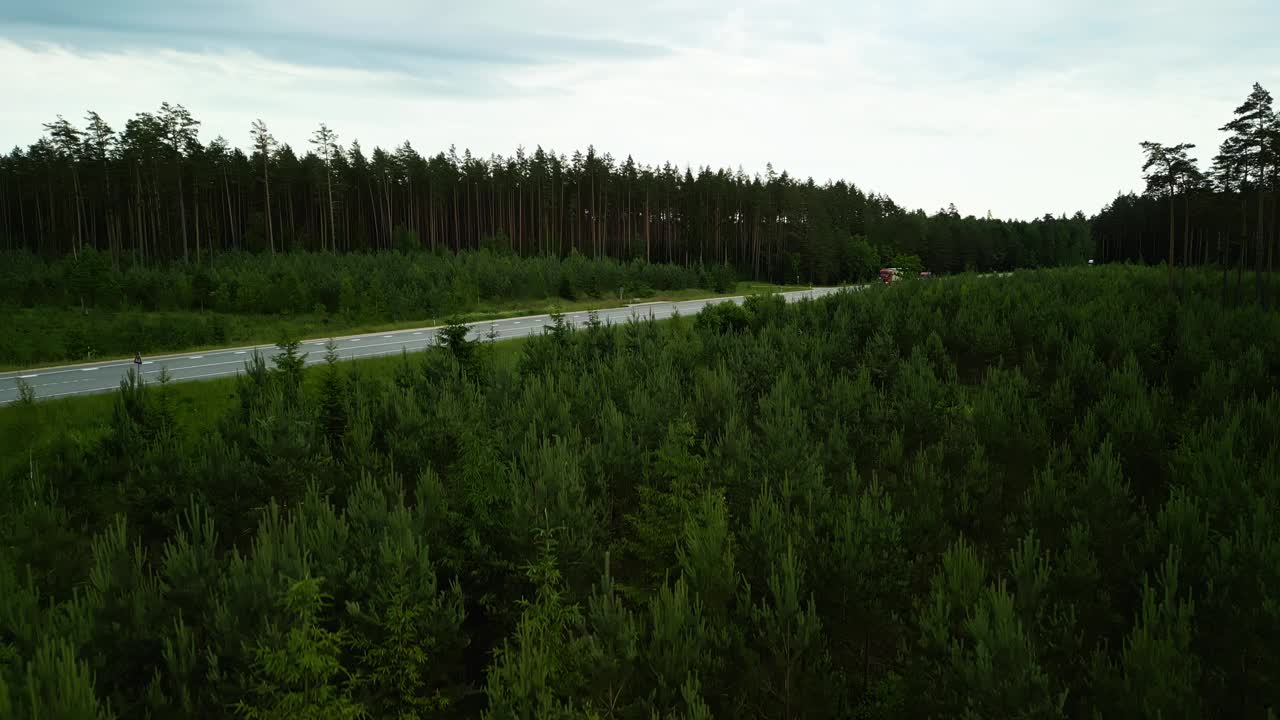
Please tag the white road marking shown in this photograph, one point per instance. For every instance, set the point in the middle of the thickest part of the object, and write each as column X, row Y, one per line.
column 356, row 339
column 28, row 377
column 219, row 373
column 146, row 362
column 240, row 352
column 196, row 357
column 89, row 369
column 417, row 333
column 152, row 372
column 385, row 336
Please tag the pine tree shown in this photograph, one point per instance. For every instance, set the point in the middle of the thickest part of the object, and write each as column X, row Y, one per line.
column 68, row 146
column 1158, row 673
column 265, row 143
column 538, row 672
column 189, row 573
column 862, row 577
column 453, row 338
column 1170, row 173
column 1253, row 157
column 57, row 685
column 326, row 141
column 409, row 635
column 125, row 601
column 613, row 652
column 794, row 659
column 333, row 407
column 180, row 137
column 298, row 671
column 975, row 657
column 289, row 365
column 674, row 481
column 676, row 647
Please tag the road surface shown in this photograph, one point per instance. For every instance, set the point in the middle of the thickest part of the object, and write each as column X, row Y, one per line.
column 86, row 379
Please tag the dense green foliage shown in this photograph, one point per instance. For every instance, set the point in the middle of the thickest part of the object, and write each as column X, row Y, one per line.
column 359, row 285
column 155, row 192
column 1051, row 495
column 76, row 308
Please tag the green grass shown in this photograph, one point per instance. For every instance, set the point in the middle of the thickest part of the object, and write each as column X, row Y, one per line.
column 32, row 430
column 40, row 334
column 28, row 431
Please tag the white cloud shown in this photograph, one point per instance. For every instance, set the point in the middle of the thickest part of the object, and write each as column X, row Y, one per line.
column 862, row 94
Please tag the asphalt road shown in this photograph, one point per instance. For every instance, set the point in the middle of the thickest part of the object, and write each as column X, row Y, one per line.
column 86, row 379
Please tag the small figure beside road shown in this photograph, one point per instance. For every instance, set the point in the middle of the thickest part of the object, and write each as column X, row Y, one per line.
column 137, row 360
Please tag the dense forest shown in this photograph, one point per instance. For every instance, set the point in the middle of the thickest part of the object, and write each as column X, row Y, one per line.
column 153, row 192
column 1228, row 216
column 1049, row 495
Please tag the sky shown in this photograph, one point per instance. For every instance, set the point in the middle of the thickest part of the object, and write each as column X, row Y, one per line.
column 1013, row 107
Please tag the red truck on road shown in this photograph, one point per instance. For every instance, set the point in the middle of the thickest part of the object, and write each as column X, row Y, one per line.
column 889, row 275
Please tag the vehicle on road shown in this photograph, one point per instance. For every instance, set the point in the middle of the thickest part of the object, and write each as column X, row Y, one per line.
column 891, row 275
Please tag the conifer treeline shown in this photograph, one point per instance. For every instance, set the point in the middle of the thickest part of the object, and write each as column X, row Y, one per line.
column 1227, row 216
column 154, row 191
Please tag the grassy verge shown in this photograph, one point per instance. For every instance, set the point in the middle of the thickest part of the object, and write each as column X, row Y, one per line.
column 48, row 336
column 30, row 431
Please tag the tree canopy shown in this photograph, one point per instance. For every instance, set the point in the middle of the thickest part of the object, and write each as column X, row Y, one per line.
column 154, row 192
column 1223, row 215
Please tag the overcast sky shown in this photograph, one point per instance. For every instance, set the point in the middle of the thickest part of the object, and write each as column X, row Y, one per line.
column 1014, row 106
